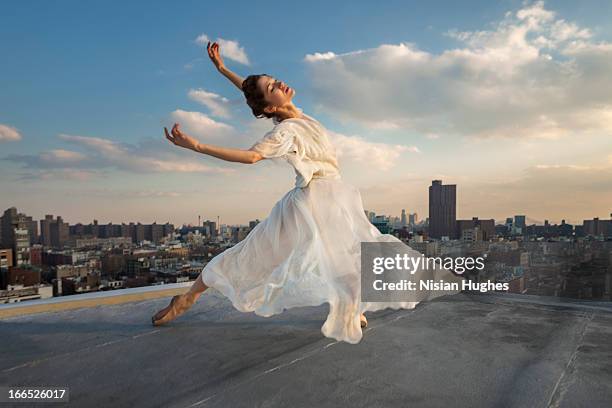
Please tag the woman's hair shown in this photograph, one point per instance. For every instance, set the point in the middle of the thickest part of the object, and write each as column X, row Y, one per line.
column 254, row 97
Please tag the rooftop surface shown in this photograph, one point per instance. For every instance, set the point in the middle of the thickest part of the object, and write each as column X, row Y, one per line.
column 466, row 350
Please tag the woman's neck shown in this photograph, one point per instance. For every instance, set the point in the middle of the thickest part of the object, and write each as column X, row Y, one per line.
column 288, row 112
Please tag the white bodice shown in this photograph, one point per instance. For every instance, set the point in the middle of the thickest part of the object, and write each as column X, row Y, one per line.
column 305, row 144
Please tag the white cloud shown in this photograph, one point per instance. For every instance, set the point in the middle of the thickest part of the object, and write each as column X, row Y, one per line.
column 218, row 105
column 318, row 56
column 149, row 156
column 377, row 155
column 9, row 134
column 200, row 124
column 62, row 156
column 229, row 48
column 104, row 146
column 534, row 75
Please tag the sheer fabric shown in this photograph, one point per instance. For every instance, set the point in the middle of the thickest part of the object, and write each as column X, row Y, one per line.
column 308, row 250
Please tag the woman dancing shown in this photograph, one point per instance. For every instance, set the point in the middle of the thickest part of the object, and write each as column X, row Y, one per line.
column 307, row 251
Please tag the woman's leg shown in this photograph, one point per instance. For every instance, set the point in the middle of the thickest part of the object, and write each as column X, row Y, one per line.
column 196, row 290
column 180, row 303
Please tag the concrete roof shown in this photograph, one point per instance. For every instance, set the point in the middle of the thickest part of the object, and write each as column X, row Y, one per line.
column 466, row 350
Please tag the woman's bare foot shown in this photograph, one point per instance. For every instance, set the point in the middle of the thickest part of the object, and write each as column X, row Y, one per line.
column 364, row 321
column 178, row 305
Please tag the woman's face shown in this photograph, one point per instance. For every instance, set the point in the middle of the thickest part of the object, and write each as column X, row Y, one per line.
column 275, row 92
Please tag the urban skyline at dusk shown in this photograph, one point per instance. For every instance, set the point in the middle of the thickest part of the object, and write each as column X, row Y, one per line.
column 511, row 101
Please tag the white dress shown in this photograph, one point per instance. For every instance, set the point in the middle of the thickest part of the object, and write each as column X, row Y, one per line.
column 307, row 251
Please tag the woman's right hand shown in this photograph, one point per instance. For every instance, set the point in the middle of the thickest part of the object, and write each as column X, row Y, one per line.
column 178, row 138
column 215, row 55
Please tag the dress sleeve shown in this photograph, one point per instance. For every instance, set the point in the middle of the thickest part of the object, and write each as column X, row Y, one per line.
column 276, row 143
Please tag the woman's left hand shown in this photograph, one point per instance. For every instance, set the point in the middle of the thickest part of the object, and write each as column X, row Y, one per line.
column 181, row 139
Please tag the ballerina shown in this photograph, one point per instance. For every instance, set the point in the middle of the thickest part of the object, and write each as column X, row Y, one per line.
column 307, row 251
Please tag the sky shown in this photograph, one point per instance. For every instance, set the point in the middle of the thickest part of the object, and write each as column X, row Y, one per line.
column 510, row 100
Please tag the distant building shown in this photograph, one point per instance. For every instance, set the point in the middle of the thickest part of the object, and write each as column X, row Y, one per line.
column 36, row 251
column 597, row 227
column 486, row 229
column 239, row 233
column 211, row 228
column 54, row 233
column 252, row 224
column 17, row 232
column 383, row 223
column 24, row 276
column 520, row 221
column 6, row 258
column 442, row 210
column 137, row 232
column 21, row 246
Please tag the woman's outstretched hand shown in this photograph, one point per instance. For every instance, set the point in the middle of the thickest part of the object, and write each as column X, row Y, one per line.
column 215, row 55
column 181, row 139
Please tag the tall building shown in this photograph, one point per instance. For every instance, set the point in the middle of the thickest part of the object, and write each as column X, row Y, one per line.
column 442, row 210
column 17, row 232
column 54, row 232
column 45, row 230
column 59, row 233
column 520, row 221
column 211, row 228
column 413, row 219
column 404, row 221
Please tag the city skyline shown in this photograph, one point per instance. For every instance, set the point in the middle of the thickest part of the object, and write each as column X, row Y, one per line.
column 510, row 101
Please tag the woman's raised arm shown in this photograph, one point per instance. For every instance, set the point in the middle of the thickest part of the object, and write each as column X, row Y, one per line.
column 215, row 56
column 178, row 138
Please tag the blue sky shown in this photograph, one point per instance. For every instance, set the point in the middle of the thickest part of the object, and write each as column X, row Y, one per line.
column 118, row 72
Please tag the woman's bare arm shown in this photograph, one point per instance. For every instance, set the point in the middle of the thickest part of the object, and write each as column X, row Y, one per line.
column 228, row 154
column 177, row 137
column 215, row 56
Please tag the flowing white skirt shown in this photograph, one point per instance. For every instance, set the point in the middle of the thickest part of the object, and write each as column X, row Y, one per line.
column 305, row 253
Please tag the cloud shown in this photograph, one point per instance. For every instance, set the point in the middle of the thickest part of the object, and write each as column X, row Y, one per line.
column 229, row 48
column 534, row 75
column 132, row 193
column 218, row 105
column 200, row 124
column 148, row 156
column 57, row 174
column 377, row 155
column 9, row 134
column 102, row 146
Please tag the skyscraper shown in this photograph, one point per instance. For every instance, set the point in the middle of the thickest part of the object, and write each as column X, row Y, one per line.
column 54, row 233
column 442, row 209
column 519, row 221
column 45, row 230
column 18, row 231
